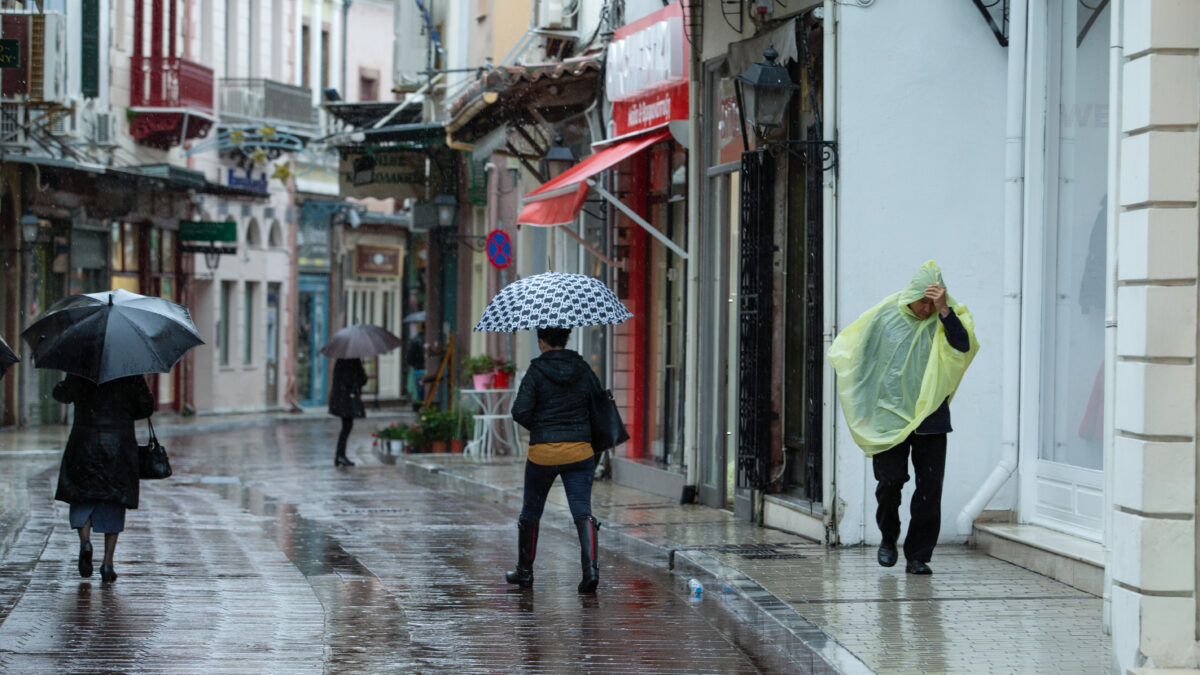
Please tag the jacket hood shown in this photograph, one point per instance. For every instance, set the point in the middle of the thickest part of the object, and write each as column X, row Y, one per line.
column 560, row 366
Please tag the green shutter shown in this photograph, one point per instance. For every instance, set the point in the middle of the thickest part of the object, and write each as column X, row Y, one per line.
column 90, row 53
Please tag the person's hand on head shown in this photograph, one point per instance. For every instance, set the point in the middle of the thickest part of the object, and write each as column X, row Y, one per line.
column 937, row 294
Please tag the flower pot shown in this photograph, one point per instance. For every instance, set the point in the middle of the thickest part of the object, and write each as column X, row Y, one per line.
column 457, row 445
column 500, row 379
column 395, row 446
column 482, row 381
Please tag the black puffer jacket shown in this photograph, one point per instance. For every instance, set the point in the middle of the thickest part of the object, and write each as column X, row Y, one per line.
column 554, row 401
column 100, row 463
column 345, row 396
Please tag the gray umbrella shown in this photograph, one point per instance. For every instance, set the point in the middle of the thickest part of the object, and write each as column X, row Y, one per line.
column 359, row 340
column 110, row 335
column 7, row 357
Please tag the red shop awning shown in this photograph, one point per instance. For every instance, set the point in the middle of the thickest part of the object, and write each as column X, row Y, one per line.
column 559, row 200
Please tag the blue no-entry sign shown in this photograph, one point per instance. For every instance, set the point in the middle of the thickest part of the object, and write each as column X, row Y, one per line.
column 499, row 249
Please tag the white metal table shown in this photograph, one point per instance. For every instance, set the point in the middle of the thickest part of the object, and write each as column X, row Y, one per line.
column 494, row 425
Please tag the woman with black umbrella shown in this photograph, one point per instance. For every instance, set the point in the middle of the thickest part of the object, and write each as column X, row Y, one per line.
column 99, row 472
column 345, row 401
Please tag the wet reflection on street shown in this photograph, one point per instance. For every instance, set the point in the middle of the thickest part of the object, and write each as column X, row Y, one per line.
column 258, row 554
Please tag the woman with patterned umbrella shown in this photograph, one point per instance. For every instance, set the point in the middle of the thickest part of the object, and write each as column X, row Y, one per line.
column 554, row 403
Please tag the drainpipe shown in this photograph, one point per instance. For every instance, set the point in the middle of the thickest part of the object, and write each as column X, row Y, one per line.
column 1014, row 197
column 691, row 350
column 1116, row 56
column 829, row 281
column 345, row 32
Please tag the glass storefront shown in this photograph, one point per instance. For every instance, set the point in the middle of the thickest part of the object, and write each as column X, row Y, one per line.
column 1069, row 481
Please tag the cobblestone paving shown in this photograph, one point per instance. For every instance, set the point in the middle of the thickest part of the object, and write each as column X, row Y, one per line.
column 260, row 556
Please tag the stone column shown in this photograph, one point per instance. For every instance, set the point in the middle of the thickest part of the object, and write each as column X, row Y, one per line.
column 1154, row 614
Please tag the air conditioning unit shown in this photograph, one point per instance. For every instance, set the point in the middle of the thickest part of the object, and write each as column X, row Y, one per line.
column 104, row 129
column 558, row 14
column 41, row 51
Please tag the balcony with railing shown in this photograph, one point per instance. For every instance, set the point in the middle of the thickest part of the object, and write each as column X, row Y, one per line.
column 171, row 100
column 255, row 102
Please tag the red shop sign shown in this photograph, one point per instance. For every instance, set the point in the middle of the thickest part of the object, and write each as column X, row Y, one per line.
column 646, row 75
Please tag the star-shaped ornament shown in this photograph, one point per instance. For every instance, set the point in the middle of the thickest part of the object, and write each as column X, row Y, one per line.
column 237, row 136
column 283, row 172
column 267, row 131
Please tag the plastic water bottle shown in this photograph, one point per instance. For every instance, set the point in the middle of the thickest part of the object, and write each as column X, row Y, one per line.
column 725, row 583
column 695, row 590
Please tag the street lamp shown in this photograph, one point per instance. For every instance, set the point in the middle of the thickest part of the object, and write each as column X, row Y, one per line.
column 765, row 91
column 447, row 209
column 31, row 228
column 558, row 159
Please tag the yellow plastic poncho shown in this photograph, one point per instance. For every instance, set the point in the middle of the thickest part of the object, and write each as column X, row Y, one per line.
column 893, row 369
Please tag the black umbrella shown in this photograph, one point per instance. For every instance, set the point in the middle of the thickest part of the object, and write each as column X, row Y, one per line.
column 7, row 357
column 359, row 340
column 109, row 335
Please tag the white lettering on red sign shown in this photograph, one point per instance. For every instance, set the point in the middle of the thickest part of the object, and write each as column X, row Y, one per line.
column 648, row 113
column 647, row 59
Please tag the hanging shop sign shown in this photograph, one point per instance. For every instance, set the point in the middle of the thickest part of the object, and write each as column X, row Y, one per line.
column 377, row 261
column 646, row 76
column 399, row 174
column 246, row 180
column 10, row 53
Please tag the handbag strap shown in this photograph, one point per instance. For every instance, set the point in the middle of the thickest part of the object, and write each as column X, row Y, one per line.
column 152, row 436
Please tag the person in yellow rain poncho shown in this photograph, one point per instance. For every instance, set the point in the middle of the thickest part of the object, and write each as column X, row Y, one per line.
column 897, row 369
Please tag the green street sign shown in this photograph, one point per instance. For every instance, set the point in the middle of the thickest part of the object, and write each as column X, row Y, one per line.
column 10, row 53
column 207, row 230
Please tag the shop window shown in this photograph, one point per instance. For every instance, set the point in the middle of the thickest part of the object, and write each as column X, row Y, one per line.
column 223, row 316
column 124, row 256
column 253, row 234
column 248, row 312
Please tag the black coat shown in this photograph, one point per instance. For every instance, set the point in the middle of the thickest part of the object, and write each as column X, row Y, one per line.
column 100, row 463
column 554, row 401
column 345, row 396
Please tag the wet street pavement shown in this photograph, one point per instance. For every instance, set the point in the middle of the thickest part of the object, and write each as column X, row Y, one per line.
column 259, row 556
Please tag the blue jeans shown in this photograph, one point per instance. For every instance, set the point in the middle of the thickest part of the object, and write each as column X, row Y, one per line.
column 577, row 481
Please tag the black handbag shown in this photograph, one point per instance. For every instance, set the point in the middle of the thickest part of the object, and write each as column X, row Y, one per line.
column 152, row 458
column 608, row 431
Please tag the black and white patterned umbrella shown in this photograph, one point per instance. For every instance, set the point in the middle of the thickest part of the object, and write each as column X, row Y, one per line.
column 552, row 300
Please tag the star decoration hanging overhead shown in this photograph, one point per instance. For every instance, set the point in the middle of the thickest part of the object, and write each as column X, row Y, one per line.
column 283, row 172
column 237, row 136
column 267, row 132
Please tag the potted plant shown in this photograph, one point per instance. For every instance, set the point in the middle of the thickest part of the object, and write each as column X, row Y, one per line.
column 502, row 375
column 480, row 368
column 437, row 428
column 394, row 437
column 464, row 428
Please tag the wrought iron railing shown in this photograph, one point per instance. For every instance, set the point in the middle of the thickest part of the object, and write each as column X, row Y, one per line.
column 261, row 101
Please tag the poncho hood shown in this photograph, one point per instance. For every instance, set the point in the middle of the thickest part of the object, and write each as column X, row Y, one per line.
column 894, row 369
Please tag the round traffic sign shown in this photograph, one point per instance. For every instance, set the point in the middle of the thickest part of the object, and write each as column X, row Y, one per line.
column 499, row 249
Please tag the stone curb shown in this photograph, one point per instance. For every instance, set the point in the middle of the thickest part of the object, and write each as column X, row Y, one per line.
column 779, row 632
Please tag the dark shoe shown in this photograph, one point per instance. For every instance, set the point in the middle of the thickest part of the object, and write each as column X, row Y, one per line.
column 917, row 567
column 527, row 533
column 341, row 460
column 85, row 558
column 887, row 553
column 588, row 528
column 107, row 573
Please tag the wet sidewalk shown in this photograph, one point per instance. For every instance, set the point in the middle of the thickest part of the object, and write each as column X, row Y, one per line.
column 783, row 593
column 975, row 614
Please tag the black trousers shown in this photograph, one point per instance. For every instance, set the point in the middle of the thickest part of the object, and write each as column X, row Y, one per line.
column 891, row 470
column 347, row 425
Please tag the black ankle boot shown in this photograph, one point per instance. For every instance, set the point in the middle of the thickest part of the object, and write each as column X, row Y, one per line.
column 85, row 558
column 527, row 533
column 342, row 460
column 107, row 573
column 589, row 529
